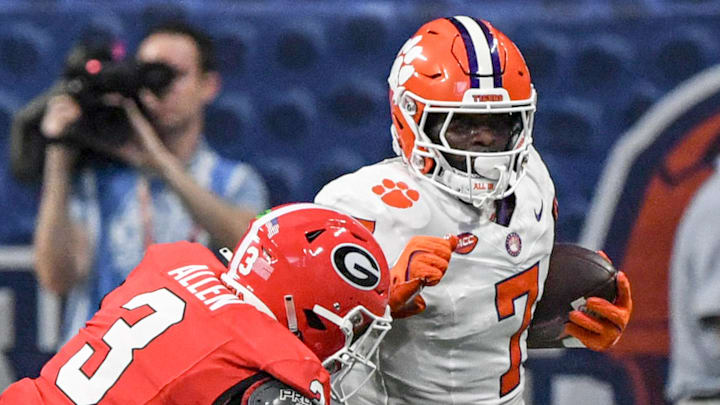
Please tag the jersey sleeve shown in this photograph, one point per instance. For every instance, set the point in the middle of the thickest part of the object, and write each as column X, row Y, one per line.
column 347, row 194
column 21, row 392
column 263, row 344
column 255, row 346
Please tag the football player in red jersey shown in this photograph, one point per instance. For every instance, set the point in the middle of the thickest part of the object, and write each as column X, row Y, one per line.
column 306, row 291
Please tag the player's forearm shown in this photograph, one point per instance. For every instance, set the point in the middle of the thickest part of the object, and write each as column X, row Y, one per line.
column 55, row 263
column 224, row 222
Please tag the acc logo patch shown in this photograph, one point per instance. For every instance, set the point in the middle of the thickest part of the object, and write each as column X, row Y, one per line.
column 513, row 244
column 466, row 243
column 356, row 266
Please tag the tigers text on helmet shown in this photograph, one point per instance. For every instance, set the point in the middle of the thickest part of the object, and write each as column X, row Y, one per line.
column 452, row 67
column 322, row 274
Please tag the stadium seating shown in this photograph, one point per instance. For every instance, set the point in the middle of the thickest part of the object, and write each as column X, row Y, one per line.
column 304, row 95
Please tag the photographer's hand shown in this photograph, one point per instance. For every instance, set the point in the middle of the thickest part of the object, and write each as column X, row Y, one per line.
column 225, row 222
column 61, row 111
column 146, row 151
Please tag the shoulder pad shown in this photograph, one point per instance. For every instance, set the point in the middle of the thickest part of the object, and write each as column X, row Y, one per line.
column 538, row 171
column 380, row 192
column 277, row 393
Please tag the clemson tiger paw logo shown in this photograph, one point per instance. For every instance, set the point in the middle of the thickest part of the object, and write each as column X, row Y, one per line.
column 402, row 69
column 397, row 195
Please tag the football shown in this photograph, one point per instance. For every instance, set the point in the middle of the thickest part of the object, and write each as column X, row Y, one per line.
column 575, row 274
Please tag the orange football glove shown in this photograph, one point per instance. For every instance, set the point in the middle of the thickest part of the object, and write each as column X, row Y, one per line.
column 422, row 263
column 600, row 326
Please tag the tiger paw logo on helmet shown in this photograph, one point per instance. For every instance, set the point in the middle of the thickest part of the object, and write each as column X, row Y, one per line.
column 402, row 68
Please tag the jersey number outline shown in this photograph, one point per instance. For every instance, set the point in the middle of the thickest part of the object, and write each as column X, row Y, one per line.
column 506, row 293
column 122, row 340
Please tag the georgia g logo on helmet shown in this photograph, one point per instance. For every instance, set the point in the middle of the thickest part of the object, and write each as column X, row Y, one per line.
column 356, row 266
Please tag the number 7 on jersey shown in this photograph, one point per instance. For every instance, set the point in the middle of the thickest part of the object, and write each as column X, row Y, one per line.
column 506, row 293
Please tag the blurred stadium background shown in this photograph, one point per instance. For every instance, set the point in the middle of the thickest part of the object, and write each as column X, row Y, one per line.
column 305, row 100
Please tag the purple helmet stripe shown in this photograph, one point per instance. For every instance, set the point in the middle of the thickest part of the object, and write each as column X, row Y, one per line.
column 470, row 48
column 494, row 53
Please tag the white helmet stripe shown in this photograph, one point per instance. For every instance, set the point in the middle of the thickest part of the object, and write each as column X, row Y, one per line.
column 483, row 52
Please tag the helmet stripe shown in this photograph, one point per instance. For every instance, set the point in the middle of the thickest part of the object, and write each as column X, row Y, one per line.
column 470, row 48
column 482, row 52
column 494, row 53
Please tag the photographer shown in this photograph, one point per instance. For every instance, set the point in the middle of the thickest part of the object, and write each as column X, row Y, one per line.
column 165, row 184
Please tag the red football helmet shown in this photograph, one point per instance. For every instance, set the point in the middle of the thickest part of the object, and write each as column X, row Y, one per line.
column 322, row 274
column 461, row 65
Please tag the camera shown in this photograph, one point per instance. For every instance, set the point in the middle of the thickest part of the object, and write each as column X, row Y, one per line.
column 92, row 70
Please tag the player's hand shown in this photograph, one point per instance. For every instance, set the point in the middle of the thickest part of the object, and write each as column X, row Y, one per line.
column 602, row 324
column 422, row 263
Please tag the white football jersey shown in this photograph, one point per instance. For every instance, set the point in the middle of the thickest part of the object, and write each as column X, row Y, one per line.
column 468, row 346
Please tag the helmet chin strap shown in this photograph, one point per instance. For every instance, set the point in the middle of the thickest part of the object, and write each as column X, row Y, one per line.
column 476, row 191
column 482, row 187
column 491, row 168
column 499, row 174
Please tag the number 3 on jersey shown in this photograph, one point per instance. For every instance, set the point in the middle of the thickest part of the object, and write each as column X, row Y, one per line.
column 506, row 292
column 121, row 339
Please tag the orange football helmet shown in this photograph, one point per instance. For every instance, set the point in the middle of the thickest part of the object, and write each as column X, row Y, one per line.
column 322, row 274
column 461, row 65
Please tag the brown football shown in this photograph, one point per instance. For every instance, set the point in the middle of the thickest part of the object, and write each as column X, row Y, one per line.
column 575, row 272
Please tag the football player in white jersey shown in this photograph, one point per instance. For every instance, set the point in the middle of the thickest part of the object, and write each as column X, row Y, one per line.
column 462, row 107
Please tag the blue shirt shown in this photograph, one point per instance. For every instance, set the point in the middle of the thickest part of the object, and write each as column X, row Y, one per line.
column 695, row 297
column 124, row 211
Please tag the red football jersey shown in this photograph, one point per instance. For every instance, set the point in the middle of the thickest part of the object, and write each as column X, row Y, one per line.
column 172, row 333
